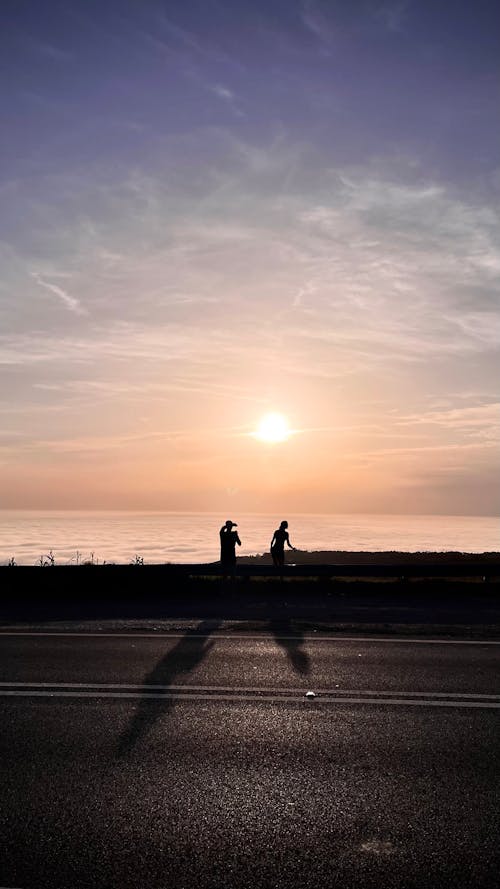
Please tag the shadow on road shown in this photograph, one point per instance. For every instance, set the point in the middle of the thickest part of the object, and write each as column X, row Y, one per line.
column 291, row 639
column 184, row 657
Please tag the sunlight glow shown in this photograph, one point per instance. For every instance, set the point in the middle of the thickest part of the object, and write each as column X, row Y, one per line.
column 273, row 428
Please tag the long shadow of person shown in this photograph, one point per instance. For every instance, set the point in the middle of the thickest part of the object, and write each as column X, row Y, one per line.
column 182, row 658
column 291, row 640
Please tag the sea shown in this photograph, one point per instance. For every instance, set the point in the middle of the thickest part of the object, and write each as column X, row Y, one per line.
column 71, row 538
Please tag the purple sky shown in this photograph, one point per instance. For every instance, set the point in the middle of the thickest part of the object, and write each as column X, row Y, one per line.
column 213, row 209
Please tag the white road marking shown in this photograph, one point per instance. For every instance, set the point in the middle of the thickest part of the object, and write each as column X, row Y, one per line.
column 266, row 634
column 319, row 692
column 265, row 696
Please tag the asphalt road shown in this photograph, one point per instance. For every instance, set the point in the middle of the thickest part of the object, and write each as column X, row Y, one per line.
column 196, row 760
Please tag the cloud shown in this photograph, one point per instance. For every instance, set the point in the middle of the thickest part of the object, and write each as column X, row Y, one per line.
column 55, row 53
column 370, row 277
column 178, row 43
column 268, row 275
column 326, row 20
column 317, row 23
column 481, row 421
column 69, row 301
column 222, row 92
column 393, row 15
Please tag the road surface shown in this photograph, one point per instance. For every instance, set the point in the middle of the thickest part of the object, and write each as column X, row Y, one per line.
column 196, row 759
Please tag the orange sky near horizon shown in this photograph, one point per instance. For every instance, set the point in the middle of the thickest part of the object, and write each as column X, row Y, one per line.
column 402, row 465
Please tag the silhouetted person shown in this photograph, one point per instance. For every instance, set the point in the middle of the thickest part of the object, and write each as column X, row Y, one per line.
column 228, row 541
column 280, row 537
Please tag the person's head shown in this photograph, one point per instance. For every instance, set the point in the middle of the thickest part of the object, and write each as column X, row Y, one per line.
column 284, row 525
column 230, row 524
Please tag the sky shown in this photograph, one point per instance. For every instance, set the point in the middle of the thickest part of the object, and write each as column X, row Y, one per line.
column 213, row 209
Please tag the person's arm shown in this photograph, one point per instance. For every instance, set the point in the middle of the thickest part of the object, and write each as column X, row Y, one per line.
column 288, row 541
column 237, row 538
column 274, row 538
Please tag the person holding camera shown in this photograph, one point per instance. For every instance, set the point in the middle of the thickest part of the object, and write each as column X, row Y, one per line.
column 229, row 539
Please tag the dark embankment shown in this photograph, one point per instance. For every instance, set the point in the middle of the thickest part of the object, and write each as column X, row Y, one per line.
column 388, row 557
column 348, row 589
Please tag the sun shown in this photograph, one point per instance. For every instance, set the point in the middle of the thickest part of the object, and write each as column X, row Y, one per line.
column 273, row 428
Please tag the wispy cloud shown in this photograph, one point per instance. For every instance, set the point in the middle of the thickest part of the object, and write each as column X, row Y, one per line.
column 481, row 421
column 270, row 277
column 55, row 53
column 70, row 302
column 393, row 14
column 222, row 92
column 315, row 21
column 227, row 96
column 378, row 273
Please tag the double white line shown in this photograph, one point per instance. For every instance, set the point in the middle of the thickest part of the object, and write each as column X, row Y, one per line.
column 104, row 690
